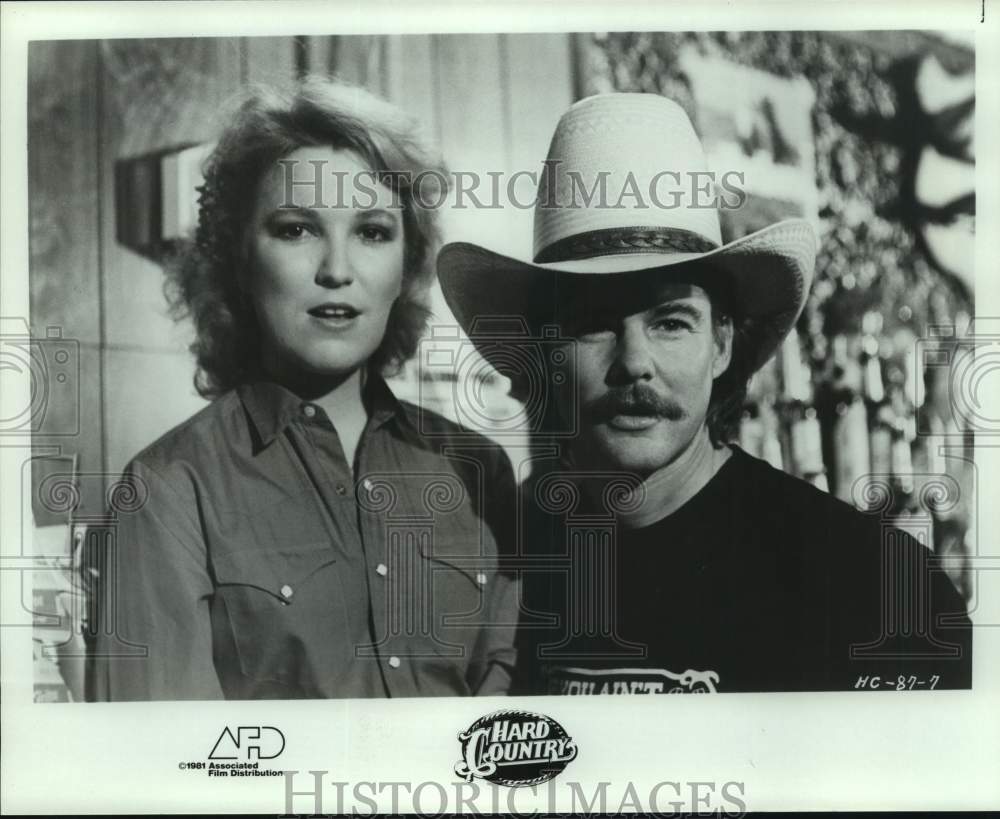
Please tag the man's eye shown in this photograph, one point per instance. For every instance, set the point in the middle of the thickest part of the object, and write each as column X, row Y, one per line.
column 670, row 325
column 292, row 231
column 594, row 334
column 594, row 326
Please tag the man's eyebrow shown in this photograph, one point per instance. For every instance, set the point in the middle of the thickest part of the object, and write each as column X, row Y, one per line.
column 684, row 307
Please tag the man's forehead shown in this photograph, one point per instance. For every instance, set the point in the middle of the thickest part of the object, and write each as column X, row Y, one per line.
column 626, row 295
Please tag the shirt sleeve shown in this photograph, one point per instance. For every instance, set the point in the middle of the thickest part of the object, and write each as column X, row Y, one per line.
column 492, row 668
column 154, row 632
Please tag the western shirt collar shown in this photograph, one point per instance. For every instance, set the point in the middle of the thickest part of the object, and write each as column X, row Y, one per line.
column 271, row 407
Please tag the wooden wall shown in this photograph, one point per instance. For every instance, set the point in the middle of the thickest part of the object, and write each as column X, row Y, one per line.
column 95, row 104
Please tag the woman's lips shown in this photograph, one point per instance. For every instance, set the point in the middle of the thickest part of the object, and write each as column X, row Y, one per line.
column 334, row 316
column 331, row 310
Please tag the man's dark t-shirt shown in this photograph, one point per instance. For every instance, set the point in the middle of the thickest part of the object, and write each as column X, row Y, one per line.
column 760, row 582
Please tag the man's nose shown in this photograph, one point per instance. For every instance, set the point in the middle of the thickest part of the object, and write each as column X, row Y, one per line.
column 633, row 356
column 336, row 266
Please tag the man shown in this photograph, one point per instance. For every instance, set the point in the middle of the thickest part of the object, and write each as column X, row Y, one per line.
column 658, row 557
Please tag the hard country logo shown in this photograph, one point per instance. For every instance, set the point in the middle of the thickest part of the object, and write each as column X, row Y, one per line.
column 514, row 748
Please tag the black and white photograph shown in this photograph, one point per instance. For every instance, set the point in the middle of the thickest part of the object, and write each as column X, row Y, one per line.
column 491, row 369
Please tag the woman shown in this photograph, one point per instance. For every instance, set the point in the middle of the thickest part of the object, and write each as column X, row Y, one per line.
column 304, row 535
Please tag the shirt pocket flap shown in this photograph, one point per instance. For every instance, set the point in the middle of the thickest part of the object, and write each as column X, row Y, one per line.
column 280, row 572
column 476, row 561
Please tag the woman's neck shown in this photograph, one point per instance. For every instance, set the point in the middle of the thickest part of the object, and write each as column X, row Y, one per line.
column 346, row 410
column 339, row 396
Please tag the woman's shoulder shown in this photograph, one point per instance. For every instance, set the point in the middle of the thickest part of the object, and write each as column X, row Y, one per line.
column 199, row 437
column 438, row 430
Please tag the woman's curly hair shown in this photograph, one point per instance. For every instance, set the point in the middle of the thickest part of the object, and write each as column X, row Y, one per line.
column 204, row 276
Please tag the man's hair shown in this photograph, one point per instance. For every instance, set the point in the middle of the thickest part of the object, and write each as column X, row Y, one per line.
column 729, row 390
column 204, row 276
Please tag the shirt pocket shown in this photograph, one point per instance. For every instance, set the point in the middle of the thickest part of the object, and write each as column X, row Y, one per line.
column 462, row 570
column 283, row 611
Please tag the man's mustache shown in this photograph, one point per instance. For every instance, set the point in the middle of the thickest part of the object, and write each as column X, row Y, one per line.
column 635, row 399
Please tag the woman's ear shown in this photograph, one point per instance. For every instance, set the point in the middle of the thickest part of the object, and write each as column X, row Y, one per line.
column 722, row 331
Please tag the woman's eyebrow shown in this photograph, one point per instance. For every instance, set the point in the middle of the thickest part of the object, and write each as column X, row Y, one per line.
column 391, row 213
column 294, row 210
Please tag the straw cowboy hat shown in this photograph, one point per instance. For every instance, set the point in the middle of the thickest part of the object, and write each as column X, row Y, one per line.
column 643, row 143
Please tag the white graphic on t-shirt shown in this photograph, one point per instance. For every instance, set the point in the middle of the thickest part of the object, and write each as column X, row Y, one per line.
column 567, row 680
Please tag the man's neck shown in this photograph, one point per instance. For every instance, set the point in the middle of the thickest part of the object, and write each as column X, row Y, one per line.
column 671, row 486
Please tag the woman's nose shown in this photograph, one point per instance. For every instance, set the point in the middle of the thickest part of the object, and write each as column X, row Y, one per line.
column 335, row 267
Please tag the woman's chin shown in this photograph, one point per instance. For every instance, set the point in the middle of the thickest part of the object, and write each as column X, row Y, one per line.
column 323, row 361
column 315, row 375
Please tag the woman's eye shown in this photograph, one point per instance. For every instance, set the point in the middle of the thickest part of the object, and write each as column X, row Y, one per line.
column 374, row 233
column 292, row 231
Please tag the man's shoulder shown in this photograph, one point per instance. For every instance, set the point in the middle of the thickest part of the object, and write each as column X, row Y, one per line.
column 776, row 492
column 808, row 526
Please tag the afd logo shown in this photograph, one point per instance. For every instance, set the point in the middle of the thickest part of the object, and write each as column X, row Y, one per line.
column 249, row 742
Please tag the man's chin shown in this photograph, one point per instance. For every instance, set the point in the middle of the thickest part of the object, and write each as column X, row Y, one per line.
column 634, row 452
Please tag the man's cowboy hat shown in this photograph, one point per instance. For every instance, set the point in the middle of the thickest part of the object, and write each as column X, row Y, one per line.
column 644, row 143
